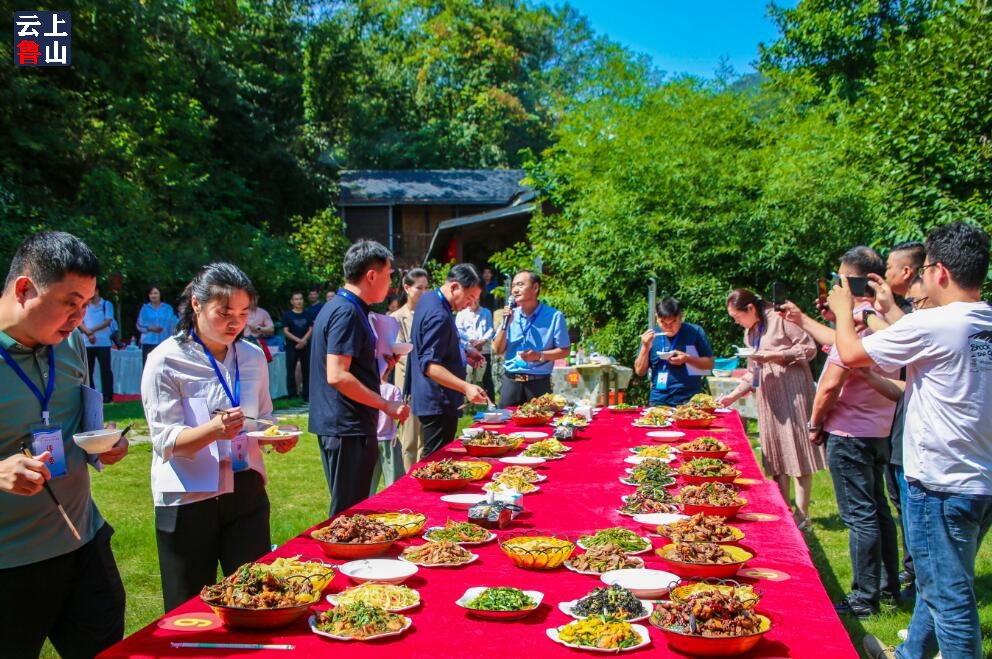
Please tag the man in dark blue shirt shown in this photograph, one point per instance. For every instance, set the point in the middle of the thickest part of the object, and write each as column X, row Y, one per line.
column 297, row 326
column 344, row 414
column 677, row 356
column 436, row 371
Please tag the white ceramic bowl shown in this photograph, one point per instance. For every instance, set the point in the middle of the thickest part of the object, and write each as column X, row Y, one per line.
column 387, row 570
column 400, row 349
column 97, row 441
column 492, row 417
column 652, row 520
column 522, row 460
column 645, row 584
column 472, row 432
column 462, row 501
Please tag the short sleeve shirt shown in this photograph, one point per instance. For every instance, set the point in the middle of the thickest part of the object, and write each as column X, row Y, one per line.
column 435, row 341
column 545, row 329
column 342, row 328
column 297, row 323
column 681, row 385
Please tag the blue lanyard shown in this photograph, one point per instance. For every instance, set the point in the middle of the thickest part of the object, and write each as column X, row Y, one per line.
column 235, row 397
column 525, row 329
column 756, row 343
column 42, row 398
column 351, row 297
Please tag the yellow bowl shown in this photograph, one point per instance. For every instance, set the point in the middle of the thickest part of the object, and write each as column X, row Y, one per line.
column 405, row 522
column 478, row 468
column 537, row 552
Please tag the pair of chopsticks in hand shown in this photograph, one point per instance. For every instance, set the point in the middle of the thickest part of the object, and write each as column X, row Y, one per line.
column 250, row 418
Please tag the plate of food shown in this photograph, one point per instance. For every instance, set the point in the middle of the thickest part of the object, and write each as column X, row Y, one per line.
column 528, row 474
column 614, row 601
column 460, row 533
column 638, row 459
column 273, row 434
column 502, row 482
column 602, row 559
column 623, row 408
column 648, row 499
column 438, row 554
column 387, row 596
column 358, row 622
column 660, row 452
column 530, row 434
column 624, row 539
column 500, row 603
column 598, row 634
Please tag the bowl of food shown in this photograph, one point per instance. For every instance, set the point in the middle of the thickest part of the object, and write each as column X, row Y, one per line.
column 703, row 559
column 475, row 469
column 381, row 570
column 644, row 584
column 532, row 419
column 703, row 447
column 703, row 402
column 707, row 470
column 694, row 423
column 537, row 552
column 500, row 603
column 490, row 444
column 554, row 403
column 355, row 536
column 95, row 442
column 699, row 528
column 714, row 499
column 623, row 408
column 405, row 522
column 711, row 619
column 268, row 596
column 441, row 476
column 492, row 417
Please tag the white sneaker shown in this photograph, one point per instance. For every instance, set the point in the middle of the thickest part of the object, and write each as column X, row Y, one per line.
column 903, row 634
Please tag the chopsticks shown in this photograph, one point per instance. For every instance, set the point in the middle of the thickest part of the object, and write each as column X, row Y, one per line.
column 251, row 418
column 68, row 522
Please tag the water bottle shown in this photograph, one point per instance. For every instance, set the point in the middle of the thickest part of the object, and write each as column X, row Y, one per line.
column 133, row 345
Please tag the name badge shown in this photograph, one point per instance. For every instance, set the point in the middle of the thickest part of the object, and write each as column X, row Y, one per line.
column 661, row 380
column 49, row 438
column 756, row 375
column 239, row 452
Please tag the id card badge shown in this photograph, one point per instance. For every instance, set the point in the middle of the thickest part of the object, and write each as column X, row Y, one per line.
column 661, row 380
column 755, row 376
column 49, row 438
column 239, row 452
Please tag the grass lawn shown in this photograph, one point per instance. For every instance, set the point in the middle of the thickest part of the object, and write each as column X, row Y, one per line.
column 299, row 499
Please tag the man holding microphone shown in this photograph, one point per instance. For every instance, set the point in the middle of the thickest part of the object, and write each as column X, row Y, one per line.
column 532, row 338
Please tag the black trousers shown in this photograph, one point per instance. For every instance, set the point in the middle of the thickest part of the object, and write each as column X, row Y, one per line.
column 146, row 349
column 348, row 466
column 439, row 429
column 106, row 374
column 232, row 529
column 292, row 356
column 75, row 600
column 515, row 393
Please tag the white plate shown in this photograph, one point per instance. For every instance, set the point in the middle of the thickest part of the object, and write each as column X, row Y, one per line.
column 489, row 538
column 645, row 584
column 640, row 630
column 566, row 608
column 474, row 558
column 629, row 553
column 271, row 439
column 402, row 348
column 469, row 433
column 537, row 488
column 666, row 434
column 96, row 442
column 530, row 434
column 651, row 425
column 462, row 501
column 665, row 354
column 637, row 459
column 333, row 600
column 722, row 410
column 521, row 460
column 387, row 570
column 312, row 621
column 657, row 519
column 745, row 352
column 568, row 565
column 473, row 592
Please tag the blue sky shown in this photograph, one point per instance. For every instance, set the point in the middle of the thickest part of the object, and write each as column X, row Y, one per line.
column 685, row 36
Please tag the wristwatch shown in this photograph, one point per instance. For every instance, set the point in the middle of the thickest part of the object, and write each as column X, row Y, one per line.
column 865, row 314
column 810, row 427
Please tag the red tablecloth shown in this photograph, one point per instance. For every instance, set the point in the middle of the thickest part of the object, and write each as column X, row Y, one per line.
column 580, row 495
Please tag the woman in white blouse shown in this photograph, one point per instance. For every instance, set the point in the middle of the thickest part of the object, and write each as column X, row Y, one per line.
column 208, row 477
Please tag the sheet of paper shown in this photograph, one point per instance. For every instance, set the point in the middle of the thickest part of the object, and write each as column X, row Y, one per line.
column 691, row 350
column 201, row 473
column 92, row 409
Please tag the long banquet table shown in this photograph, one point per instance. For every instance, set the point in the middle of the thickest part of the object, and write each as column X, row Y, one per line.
column 580, row 495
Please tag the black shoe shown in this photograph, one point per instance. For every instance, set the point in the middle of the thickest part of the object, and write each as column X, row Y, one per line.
column 906, row 578
column 893, row 599
column 859, row 610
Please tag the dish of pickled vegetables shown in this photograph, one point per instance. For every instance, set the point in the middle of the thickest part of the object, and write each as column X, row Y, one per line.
column 614, row 601
column 390, row 597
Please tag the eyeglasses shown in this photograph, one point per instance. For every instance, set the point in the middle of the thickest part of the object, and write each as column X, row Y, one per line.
column 917, row 302
column 923, row 268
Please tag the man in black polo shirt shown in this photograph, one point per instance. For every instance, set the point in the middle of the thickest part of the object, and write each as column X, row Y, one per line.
column 344, row 414
column 436, row 371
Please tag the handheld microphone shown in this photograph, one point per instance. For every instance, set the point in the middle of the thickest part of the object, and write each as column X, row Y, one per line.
column 506, row 317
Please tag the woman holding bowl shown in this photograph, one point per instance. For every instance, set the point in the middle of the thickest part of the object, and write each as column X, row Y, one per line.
column 208, row 476
column 778, row 373
column 156, row 321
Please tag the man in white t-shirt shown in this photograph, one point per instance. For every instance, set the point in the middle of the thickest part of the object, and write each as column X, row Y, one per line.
column 947, row 441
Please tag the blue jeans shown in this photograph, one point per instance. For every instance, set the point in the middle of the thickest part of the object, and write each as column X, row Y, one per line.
column 945, row 531
column 857, row 467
